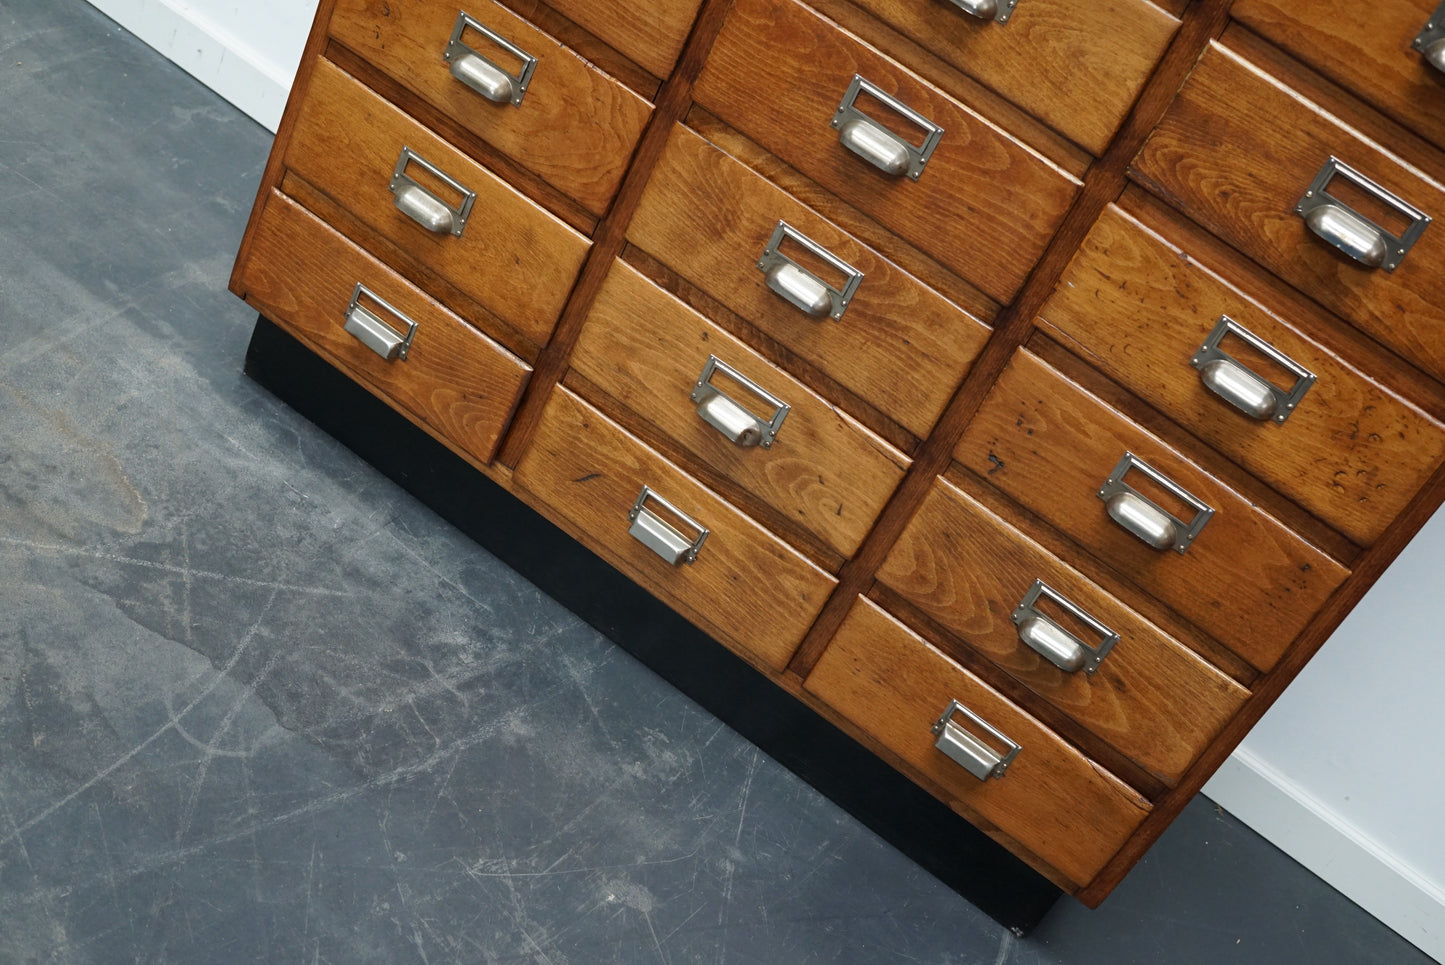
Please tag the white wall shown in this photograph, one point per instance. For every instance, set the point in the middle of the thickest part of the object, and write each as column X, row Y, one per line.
column 245, row 50
column 1346, row 773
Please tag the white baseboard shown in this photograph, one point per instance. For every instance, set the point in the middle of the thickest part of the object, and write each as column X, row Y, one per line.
column 208, row 52
column 1318, row 838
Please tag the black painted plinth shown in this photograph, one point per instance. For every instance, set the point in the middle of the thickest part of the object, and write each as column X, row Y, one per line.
column 893, row 807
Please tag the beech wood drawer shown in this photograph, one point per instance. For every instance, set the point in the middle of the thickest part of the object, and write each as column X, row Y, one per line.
column 1140, row 309
column 898, row 344
column 1075, row 64
column 745, row 587
column 822, row 471
column 1237, row 151
column 970, row 571
column 984, row 205
column 652, row 35
column 1366, row 48
column 1246, row 578
column 574, row 126
column 453, row 380
column 1053, row 806
column 512, row 256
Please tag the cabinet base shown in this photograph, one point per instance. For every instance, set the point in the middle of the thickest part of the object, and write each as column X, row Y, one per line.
column 889, row 804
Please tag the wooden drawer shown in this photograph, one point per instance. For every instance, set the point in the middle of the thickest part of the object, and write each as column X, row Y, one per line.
column 455, row 381
column 1139, row 308
column 968, row 570
column 900, row 345
column 512, row 256
column 984, row 205
column 653, row 37
column 589, row 472
column 1366, row 48
column 823, row 471
column 575, row 126
column 1075, row 64
column 1246, row 579
column 1053, row 806
column 1238, row 149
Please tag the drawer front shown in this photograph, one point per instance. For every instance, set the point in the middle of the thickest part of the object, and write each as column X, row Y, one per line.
column 1075, row 64
column 453, row 380
column 1141, row 309
column 745, row 587
column 1246, row 579
column 653, row 38
column 822, row 470
column 984, row 205
column 1237, row 150
column 901, row 346
column 512, row 256
column 1053, row 804
column 575, row 126
column 969, row 571
column 1366, row 48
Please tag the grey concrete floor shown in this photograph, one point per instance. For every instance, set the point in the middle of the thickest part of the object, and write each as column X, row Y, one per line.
column 258, row 705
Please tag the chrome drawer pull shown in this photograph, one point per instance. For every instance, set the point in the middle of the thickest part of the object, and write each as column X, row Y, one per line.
column 728, row 416
column 1248, row 392
column 1431, row 41
column 876, row 144
column 987, row 9
column 1146, row 519
column 1351, row 232
column 482, row 74
column 372, row 331
column 800, row 287
column 660, row 536
column 1064, row 650
column 968, row 751
column 421, row 204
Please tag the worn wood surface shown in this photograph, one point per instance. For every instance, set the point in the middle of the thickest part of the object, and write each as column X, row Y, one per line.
column 1076, row 64
column 824, row 471
column 652, row 35
column 900, row 345
column 585, row 468
column 454, row 379
column 1137, row 307
column 576, row 127
column 985, row 206
column 513, row 257
column 1365, row 48
column 1246, row 579
column 1238, row 149
column 1053, row 801
column 968, row 569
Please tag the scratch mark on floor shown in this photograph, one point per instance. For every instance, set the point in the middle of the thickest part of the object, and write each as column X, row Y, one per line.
column 165, row 728
column 181, row 571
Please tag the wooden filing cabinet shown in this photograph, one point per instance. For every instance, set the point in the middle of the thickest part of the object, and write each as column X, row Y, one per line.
column 1063, row 371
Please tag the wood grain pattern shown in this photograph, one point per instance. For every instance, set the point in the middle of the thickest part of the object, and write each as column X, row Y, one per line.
column 585, row 468
column 1365, row 48
column 1054, row 802
column 967, row 569
column 1237, row 150
column 1138, row 307
column 1076, row 64
column 576, row 127
column 985, row 206
column 653, row 36
column 514, row 257
column 455, row 380
column 1246, row 579
column 824, row 471
column 900, row 345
